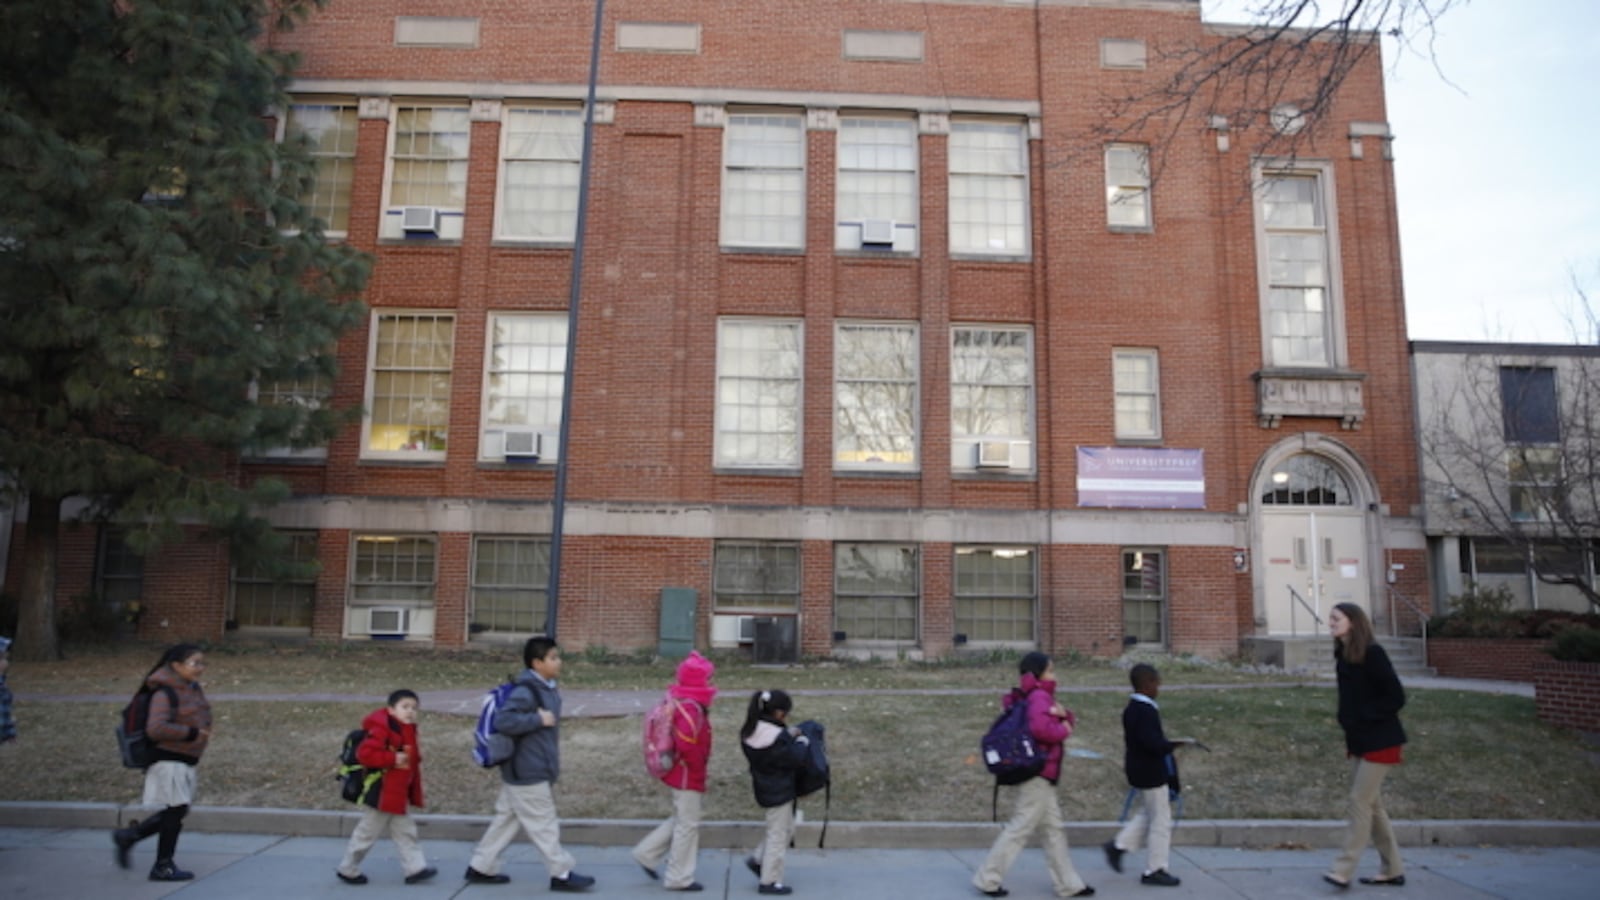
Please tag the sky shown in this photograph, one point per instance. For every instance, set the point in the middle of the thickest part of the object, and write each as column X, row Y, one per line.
column 1497, row 141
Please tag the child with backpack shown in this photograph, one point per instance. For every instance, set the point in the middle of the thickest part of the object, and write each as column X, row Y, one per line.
column 677, row 840
column 1038, row 808
column 391, row 749
column 8, row 725
column 1148, row 764
column 776, row 752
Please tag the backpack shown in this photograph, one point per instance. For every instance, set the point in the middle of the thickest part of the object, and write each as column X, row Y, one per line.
column 138, row 751
column 659, row 743
column 814, row 775
column 1009, row 750
column 490, row 748
column 356, row 780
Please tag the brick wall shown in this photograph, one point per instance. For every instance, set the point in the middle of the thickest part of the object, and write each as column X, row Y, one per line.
column 1500, row 659
column 1567, row 694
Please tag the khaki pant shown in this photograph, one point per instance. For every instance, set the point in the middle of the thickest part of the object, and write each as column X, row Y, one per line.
column 374, row 823
column 780, row 830
column 1038, row 809
column 1152, row 821
column 1369, row 823
column 533, row 808
column 677, row 840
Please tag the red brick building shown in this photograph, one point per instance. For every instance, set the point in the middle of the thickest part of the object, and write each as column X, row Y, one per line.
column 876, row 342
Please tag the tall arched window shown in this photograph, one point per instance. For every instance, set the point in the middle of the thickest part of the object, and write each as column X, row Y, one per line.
column 1306, row 480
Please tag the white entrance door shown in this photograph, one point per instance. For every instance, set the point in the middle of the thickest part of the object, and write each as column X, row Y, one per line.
column 1321, row 555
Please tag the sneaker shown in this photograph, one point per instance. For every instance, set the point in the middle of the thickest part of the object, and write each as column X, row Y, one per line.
column 753, row 864
column 473, row 876
column 573, row 882
column 691, row 887
column 997, row 892
column 357, row 878
column 124, row 839
column 775, row 888
column 167, row 870
column 1113, row 855
column 1086, row 892
column 1159, row 877
column 421, row 876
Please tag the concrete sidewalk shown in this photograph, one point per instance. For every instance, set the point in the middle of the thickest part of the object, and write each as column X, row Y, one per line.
column 72, row 863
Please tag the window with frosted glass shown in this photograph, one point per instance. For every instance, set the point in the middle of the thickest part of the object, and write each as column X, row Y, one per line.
column 539, row 176
column 763, row 181
column 510, row 586
column 1294, row 228
column 996, row 594
column 1128, row 186
column 1137, row 382
column 876, row 592
column 409, row 384
column 759, row 365
column 877, row 181
column 988, row 187
column 429, row 166
column 329, row 131
column 526, row 366
column 875, row 396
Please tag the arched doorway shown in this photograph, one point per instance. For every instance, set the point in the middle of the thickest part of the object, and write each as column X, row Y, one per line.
column 1312, row 538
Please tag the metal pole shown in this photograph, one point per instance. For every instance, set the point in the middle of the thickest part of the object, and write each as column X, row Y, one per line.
column 558, row 503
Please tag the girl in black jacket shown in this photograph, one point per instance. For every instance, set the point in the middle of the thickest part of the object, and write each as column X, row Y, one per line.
column 1370, row 698
column 776, row 752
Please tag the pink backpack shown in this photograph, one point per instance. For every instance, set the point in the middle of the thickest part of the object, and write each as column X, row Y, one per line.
column 660, row 744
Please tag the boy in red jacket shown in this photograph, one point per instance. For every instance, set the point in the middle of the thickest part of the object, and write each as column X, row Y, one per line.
column 391, row 749
column 677, row 840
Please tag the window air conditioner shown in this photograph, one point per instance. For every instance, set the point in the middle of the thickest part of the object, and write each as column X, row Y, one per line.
column 419, row 220
column 877, row 233
column 728, row 630
column 388, row 620
column 994, row 454
column 520, row 445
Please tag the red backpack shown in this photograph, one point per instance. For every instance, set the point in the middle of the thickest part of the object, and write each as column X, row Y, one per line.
column 660, row 744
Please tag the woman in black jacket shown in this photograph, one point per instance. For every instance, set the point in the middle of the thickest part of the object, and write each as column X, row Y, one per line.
column 776, row 752
column 1370, row 698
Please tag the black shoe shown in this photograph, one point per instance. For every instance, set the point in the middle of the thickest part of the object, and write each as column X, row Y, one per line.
column 473, row 876
column 1113, row 855
column 1341, row 885
column 997, row 892
column 1397, row 881
column 166, row 870
column 1160, row 877
column 691, row 887
column 357, row 878
column 649, row 871
column 419, row 877
column 777, row 888
column 573, row 882
column 124, row 839
column 1086, row 892
column 753, row 864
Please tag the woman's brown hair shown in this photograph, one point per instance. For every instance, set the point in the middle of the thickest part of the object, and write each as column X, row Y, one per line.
column 1359, row 637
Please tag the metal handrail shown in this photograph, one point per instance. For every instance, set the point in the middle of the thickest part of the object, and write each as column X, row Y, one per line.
column 1422, row 617
column 1294, row 626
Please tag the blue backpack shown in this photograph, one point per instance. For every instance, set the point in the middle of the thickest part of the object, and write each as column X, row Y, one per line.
column 1009, row 750
column 490, row 748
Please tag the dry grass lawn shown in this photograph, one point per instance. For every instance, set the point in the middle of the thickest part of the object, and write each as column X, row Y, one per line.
column 1277, row 751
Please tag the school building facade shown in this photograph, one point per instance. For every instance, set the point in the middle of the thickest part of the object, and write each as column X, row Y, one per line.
column 879, row 350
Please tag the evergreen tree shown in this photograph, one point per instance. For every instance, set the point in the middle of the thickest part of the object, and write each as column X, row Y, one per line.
column 155, row 263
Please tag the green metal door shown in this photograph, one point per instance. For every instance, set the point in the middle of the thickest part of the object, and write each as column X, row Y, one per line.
column 677, row 622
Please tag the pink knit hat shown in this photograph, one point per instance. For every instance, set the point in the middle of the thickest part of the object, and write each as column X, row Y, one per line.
column 694, row 679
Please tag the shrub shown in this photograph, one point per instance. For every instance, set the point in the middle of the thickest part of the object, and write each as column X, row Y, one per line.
column 1577, row 645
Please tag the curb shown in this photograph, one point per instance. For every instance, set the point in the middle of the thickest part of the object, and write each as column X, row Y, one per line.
column 1280, row 834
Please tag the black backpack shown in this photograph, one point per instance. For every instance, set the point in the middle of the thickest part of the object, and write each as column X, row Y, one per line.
column 1009, row 751
column 138, row 751
column 356, row 780
column 814, row 775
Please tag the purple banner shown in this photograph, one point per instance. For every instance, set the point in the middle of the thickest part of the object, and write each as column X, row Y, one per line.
column 1141, row 478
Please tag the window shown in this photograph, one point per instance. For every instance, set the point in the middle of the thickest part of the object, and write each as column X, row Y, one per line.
column 875, row 396
column 329, row 131
column 996, row 594
column 1307, row 480
column 429, row 166
column 1299, row 302
column 1528, row 405
column 393, row 571
column 278, row 593
column 1534, row 476
column 119, row 574
column 543, row 150
column 525, row 366
column 1144, row 595
column 876, row 590
column 764, row 181
column 991, row 395
column 1137, row 380
column 408, row 388
column 756, row 577
column 292, row 395
column 988, row 187
column 1128, row 186
column 758, row 392
column 510, row 586
column 877, row 198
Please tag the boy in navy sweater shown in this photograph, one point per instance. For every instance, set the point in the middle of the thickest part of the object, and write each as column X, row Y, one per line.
column 1149, row 768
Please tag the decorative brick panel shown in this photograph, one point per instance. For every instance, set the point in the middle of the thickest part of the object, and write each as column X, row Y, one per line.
column 1499, row 659
column 1567, row 694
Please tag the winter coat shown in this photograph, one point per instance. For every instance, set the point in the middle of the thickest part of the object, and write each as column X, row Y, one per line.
column 775, row 756
column 386, row 737
column 175, row 730
column 1370, row 698
column 1048, row 730
column 538, row 755
column 691, row 736
column 1146, row 747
